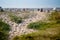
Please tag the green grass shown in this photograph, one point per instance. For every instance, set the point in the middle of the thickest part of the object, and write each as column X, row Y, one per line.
column 4, row 30
column 4, row 26
column 42, row 25
column 3, row 36
column 15, row 19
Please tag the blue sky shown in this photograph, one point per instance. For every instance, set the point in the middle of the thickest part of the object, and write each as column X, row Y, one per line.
column 29, row 3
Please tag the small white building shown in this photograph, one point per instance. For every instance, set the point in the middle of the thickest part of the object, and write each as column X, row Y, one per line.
column 57, row 9
column 54, row 8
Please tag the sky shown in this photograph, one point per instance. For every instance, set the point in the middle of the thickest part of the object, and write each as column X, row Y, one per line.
column 29, row 3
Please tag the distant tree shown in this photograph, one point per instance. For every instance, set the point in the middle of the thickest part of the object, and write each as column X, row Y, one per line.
column 1, row 9
column 38, row 9
column 23, row 9
column 41, row 9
